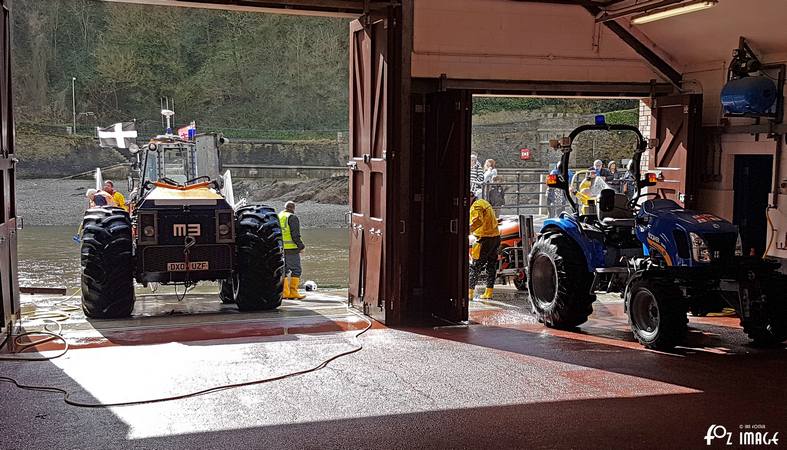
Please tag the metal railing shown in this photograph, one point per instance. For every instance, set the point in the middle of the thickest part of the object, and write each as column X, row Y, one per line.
column 524, row 195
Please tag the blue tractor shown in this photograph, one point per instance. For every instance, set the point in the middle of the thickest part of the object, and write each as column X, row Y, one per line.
column 662, row 259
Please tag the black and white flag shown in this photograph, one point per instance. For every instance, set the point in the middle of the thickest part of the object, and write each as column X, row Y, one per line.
column 119, row 135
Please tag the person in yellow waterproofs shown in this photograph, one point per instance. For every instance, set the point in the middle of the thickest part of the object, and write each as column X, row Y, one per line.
column 293, row 246
column 120, row 201
column 590, row 189
column 483, row 225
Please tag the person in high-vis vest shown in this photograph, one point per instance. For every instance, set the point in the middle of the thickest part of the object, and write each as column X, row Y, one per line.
column 483, row 225
column 293, row 246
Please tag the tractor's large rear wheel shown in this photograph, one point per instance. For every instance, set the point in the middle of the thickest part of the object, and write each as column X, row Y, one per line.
column 768, row 322
column 257, row 285
column 656, row 313
column 107, row 264
column 559, row 282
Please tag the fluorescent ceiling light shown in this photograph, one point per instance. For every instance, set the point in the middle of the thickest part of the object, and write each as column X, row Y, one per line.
column 673, row 11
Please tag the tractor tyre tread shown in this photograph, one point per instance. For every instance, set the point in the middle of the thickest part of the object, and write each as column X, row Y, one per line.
column 107, row 275
column 771, row 327
column 260, row 259
column 225, row 294
column 573, row 302
column 673, row 314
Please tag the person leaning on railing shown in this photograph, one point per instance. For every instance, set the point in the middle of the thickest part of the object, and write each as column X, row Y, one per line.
column 496, row 193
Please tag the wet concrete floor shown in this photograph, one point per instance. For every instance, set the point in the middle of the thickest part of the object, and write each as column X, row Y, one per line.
column 502, row 381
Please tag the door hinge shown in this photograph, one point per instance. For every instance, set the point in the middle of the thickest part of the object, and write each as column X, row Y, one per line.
column 453, row 226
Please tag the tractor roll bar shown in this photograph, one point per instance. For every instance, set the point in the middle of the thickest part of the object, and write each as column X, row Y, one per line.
column 636, row 158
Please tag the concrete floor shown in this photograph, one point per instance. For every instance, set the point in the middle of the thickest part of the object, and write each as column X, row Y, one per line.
column 504, row 381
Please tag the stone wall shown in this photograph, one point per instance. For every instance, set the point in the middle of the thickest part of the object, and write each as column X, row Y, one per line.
column 45, row 156
column 49, row 156
column 500, row 136
column 286, row 153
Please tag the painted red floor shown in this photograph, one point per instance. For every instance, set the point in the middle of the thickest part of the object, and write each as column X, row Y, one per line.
column 502, row 382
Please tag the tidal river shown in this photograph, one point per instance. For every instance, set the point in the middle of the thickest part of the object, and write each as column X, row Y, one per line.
column 49, row 257
column 52, row 210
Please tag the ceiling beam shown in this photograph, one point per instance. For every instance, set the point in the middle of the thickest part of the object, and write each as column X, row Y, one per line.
column 653, row 59
column 658, row 63
column 558, row 88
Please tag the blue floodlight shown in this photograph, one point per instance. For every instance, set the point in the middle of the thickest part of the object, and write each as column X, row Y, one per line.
column 600, row 119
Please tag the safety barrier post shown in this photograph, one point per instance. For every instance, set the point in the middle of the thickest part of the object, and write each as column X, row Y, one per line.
column 518, row 190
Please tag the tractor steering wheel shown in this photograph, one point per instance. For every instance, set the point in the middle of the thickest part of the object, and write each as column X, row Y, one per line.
column 634, row 202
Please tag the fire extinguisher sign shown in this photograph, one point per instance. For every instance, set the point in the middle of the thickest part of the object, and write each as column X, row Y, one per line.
column 524, row 154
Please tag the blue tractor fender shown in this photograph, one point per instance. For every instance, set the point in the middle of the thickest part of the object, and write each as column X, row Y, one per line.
column 593, row 249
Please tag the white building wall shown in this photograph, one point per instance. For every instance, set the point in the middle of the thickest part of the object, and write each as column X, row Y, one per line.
column 509, row 40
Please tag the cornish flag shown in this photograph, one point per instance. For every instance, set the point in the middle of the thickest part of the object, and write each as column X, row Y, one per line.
column 119, row 135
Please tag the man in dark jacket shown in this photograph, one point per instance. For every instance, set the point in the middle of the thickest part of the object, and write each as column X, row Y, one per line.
column 293, row 246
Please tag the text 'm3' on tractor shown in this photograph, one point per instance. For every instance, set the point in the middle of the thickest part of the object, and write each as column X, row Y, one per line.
column 663, row 259
column 184, row 226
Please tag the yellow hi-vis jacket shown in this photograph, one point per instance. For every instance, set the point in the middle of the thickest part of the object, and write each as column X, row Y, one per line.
column 286, row 233
column 120, row 200
column 483, row 222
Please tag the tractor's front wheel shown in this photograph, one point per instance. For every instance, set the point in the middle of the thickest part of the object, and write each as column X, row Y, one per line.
column 227, row 294
column 257, row 285
column 559, row 282
column 656, row 314
column 107, row 264
column 768, row 322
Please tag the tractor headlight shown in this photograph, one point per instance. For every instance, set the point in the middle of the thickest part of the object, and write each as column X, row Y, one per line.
column 146, row 223
column 739, row 247
column 224, row 221
column 699, row 249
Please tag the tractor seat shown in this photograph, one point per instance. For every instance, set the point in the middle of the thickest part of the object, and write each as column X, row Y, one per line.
column 620, row 215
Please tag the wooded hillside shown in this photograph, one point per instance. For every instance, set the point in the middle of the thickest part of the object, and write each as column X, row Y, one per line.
column 250, row 75
column 224, row 69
